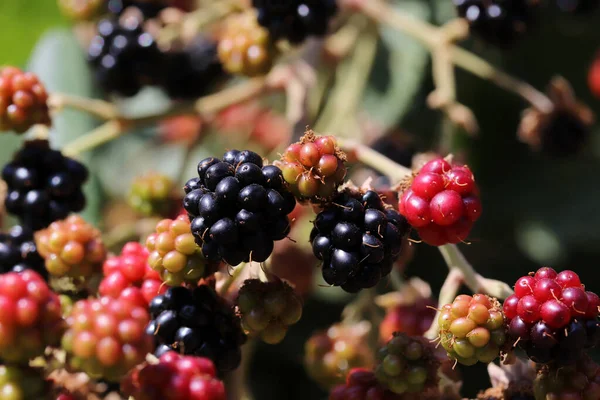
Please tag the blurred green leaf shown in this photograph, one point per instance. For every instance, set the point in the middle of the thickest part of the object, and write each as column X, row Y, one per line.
column 399, row 69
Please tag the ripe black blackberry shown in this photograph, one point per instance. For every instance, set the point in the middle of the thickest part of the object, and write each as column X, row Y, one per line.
column 18, row 252
column 294, row 20
column 196, row 322
column 43, row 185
column 193, row 71
column 357, row 239
column 124, row 57
column 498, row 22
column 238, row 207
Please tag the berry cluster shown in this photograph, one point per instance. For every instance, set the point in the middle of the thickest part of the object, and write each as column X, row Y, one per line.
column 413, row 319
column 238, row 207
column 407, row 365
column 268, row 309
column 330, row 355
column 472, row 329
column 294, row 20
column 18, row 252
column 244, row 46
column 500, row 23
column 128, row 276
column 196, row 322
column 442, row 203
column 313, row 167
column 124, row 57
column 174, row 253
column 361, row 384
column 552, row 316
column 189, row 378
column 43, row 185
column 22, row 100
column 577, row 382
column 151, row 194
column 31, row 316
column 106, row 338
column 358, row 240
column 71, row 247
column 21, row 383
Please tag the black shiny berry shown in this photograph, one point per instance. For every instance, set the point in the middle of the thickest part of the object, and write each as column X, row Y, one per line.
column 18, row 252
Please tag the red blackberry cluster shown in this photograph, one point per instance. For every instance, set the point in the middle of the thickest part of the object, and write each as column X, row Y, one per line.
column 186, row 377
column 330, row 355
column 43, row 185
column 358, row 239
column 498, row 22
column 314, row 167
column 552, row 317
column 128, row 276
column 22, row 100
column 124, row 57
column 472, row 329
column 295, row 20
column 577, row 382
column 21, row 383
column 71, row 247
column 31, row 316
column 238, row 207
column 442, row 203
column 268, row 309
column 193, row 71
column 106, row 338
column 174, row 253
column 407, row 365
column 18, row 252
column 361, row 384
column 196, row 322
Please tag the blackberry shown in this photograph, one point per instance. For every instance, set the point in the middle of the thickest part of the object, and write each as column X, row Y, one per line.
column 193, row 71
column 124, row 57
column 196, row 322
column 357, row 239
column 294, row 20
column 238, row 207
column 580, row 381
column 18, row 252
column 43, row 185
column 498, row 22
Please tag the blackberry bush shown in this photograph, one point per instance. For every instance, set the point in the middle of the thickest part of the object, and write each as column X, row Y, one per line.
column 473, row 329
column 30, row 319
column 43, row 185
column 174, row 253
column 314, row 167
column 358, row 239
column 71, row 248
column 552, row 317
column 191, row 378
column 238, row 207
column 267, row 309
column 18, row 252
column 124, row 57
column 106, row 337
column 196, row 322
column 295, row 20
column 442, row 202
column 22, row 100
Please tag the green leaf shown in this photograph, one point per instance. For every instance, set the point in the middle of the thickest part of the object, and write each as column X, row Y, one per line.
column 401, row 63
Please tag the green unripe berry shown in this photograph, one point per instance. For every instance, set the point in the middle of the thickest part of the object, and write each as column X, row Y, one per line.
column 393, row 365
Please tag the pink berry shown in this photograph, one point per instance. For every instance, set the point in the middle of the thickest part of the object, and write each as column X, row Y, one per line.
column 528, row 309
column 576, row 300
column 524, row 286
column 437, row 166
column 417, row 211
column 433, row 235
column 510, row 306
column 292, row 153
column 309, row 155
column 546, row 289
column 325, row 144
column 568, row 278
column 446, row 208
column 555, row 314
column 593, row 305
column 545, row 272
column 461, row 181
column 458, row 231
column 427, row 184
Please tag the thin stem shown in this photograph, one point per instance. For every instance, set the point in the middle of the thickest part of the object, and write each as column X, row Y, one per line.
column 236, row 94
column 104, row 133
column 447, row 294
column 374, row 159
column 99, row 108
column 237, row 271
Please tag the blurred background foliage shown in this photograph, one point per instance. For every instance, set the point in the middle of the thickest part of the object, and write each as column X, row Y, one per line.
column 537, row 210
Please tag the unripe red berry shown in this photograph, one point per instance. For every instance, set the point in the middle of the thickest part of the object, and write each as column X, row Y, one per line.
column 546, row 289
column 576, row 300
column 524, row 286
column 529, row 309
column 568, row 279
column 446, row 208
